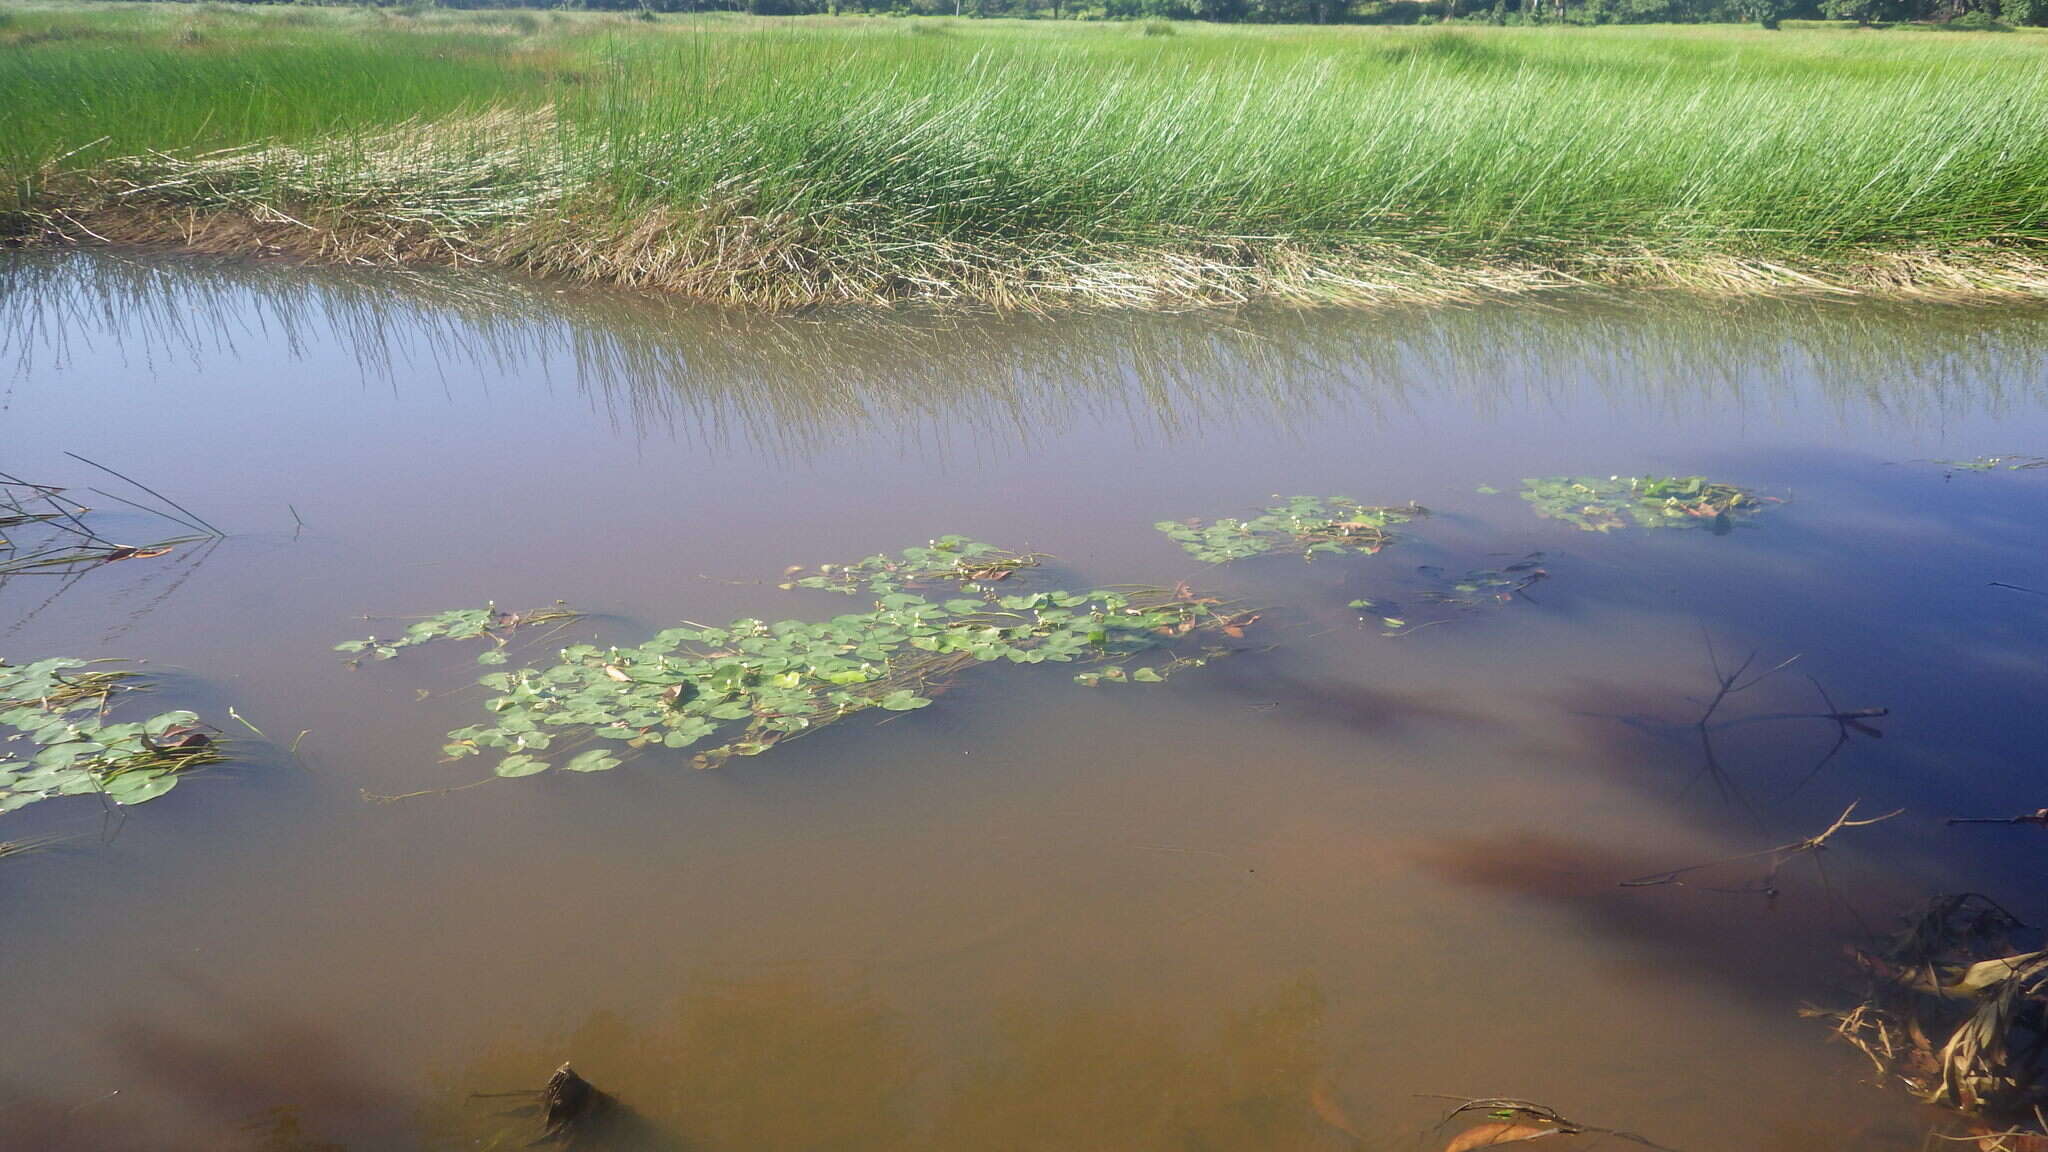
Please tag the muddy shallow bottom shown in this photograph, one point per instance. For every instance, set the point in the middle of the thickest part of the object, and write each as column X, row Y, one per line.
column 1273, row 903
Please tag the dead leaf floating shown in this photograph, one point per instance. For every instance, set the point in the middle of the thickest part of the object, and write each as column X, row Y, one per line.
column 1498, row 1132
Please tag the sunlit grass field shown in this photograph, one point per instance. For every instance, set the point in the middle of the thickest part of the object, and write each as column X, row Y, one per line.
column 789, row 161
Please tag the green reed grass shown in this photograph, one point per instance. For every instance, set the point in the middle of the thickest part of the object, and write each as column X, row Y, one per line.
column 915, row 155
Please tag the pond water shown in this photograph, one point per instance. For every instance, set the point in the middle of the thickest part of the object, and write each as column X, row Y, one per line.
column 1281, row 901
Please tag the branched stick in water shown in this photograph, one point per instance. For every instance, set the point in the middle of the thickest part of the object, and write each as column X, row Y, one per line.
column 2038, row 818
column 1777, row 857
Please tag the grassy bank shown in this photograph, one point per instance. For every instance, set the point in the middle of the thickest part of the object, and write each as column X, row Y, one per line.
column 783, row 162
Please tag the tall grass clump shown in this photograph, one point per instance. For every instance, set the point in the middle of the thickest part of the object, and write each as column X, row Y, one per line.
column 783, row 162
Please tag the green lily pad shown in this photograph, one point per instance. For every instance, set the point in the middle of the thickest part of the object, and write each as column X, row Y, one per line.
column 595, row 760
column 1304, row 526
column 1592, row 504
column 740, row 689
column 520, row 764
column 136, row 787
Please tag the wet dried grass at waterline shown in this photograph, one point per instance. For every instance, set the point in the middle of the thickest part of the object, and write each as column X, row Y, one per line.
column 516, row 190
column 1955, row 1008
column 720, row 251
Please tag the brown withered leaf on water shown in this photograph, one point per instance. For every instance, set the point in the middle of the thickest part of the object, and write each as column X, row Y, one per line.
column 1497, row 1132
column 126, row 553
column 181, row 738
column 1234, row 626
column 1322, row 1100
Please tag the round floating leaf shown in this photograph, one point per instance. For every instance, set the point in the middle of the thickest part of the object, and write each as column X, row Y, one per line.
column 136, row 787
column 595, row 760
column 158, row 725
column 78, row 782
column 61, row 755
column 903, row 700
column 9, row 801
column 515, row 766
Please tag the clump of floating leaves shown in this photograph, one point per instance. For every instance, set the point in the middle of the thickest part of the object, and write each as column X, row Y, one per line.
column 60, row 708
column 740, row 689
column 946, row 560
column 1304, row 526
column 1596, row 505
column 1995, row 464
column 1956, row 1007
column 743, row 688
column 1445, row 596
column 487, row 623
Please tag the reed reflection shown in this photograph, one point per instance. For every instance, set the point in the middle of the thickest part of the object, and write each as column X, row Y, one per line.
column 791, row 384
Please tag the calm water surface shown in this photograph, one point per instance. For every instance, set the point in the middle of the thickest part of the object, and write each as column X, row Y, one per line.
column 1272, row 904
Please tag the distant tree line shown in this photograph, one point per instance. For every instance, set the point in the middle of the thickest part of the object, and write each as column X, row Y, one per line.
column 1959, row 14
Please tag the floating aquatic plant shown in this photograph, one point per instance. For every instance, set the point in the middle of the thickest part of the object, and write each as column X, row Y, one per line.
column 1597, row 505
column 1447, row 595
column 1995, row 464
column 947, row 559
column 1304, row 526
column 60, row 708
column 743, row 688
column 459, row 624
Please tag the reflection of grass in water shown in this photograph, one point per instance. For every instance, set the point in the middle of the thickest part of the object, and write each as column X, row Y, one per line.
column 790, row 385
column 807, row 161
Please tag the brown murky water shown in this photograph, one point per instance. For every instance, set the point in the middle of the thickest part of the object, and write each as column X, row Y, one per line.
column 1274, row 903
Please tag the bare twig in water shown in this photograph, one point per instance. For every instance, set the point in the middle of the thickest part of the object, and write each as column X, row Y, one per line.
column 1732, row 682
column 1845, row 723
column 380, row 798
column 2017, row 588
column 1848, row 722
column 564, row 1102
column 1511, row 1121
column 2038, row 818
column 1776, row 857
column 32, row 844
